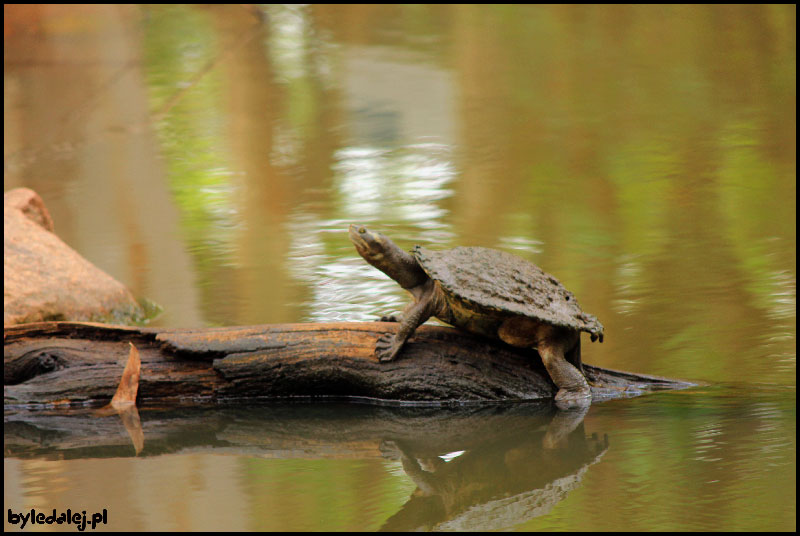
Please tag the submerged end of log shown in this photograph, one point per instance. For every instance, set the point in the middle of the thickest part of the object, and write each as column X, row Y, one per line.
column 69, row 362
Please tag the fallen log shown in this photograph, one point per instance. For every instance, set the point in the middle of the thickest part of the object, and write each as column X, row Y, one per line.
column 77, row 363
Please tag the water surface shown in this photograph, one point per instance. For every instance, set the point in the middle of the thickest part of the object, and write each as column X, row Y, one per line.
column 211, row 158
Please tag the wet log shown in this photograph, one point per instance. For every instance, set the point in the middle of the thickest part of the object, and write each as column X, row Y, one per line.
column 75, row 363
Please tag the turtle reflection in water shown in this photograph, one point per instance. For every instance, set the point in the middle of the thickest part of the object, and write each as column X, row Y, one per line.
column 490, row 293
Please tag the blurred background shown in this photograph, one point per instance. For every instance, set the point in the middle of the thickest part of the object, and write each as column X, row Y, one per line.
column 212, row 157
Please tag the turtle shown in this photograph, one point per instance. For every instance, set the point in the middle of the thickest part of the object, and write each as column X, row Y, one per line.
column 487, row 292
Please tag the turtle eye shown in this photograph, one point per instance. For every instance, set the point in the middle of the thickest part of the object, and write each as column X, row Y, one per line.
column 362, row 230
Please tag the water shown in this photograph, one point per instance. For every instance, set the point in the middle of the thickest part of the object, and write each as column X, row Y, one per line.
column 212, row 160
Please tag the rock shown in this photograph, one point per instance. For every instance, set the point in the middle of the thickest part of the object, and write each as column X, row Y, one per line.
column 45, row 279
column 30, row 204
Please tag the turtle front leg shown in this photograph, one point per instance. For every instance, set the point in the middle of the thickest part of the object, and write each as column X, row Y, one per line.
column 390, row 344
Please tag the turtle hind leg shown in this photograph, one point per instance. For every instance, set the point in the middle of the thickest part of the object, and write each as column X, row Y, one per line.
column 557, row 349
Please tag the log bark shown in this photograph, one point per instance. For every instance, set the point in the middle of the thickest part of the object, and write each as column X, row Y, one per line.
column 74, row 363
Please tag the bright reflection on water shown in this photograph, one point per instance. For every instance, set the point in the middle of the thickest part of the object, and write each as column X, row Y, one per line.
column 213, row 157
column 411, row 181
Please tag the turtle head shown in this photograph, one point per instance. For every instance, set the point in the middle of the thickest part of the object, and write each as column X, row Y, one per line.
column 373, row 246
column 386, row 256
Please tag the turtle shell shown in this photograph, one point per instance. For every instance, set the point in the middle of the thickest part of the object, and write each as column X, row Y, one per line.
column 488, row 281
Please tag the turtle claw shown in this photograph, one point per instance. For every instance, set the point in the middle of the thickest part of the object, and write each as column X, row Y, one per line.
column 387, row 348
